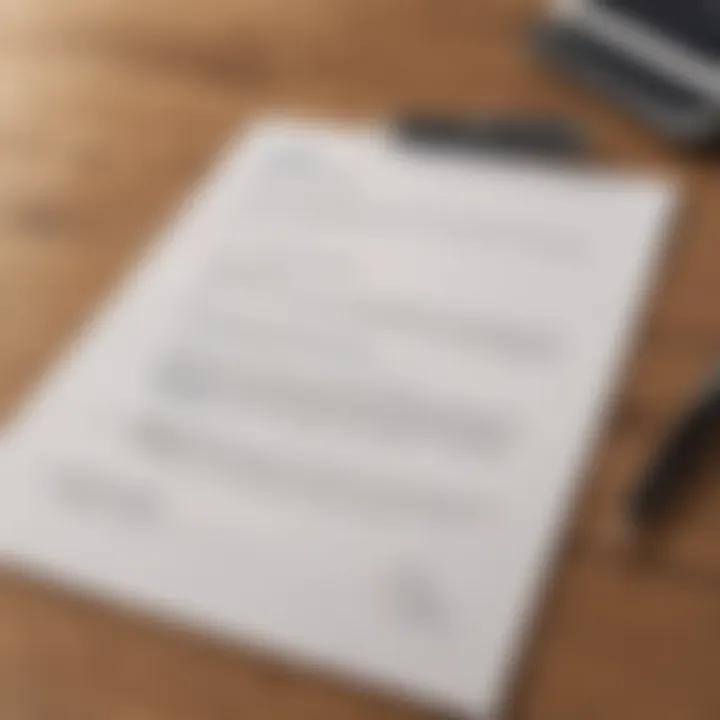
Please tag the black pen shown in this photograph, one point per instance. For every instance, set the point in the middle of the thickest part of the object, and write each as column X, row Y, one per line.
column 511, row 135
column 666, row 476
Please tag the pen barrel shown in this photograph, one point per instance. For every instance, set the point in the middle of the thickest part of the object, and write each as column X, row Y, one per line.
column 669, row 471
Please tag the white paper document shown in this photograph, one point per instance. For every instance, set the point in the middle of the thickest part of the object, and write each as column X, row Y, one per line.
column 341, row 410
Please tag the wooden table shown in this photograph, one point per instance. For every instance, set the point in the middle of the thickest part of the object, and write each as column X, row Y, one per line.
column 108, row 112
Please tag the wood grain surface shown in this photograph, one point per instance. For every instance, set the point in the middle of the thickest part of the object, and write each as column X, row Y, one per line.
column 109, row 111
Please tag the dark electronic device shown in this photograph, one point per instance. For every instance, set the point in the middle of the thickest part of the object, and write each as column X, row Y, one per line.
column 659, row 59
